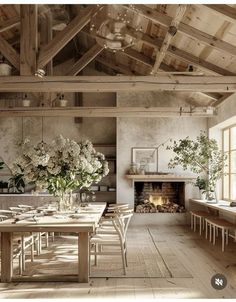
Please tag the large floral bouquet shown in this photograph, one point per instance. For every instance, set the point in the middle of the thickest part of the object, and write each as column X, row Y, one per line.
column 61, row 166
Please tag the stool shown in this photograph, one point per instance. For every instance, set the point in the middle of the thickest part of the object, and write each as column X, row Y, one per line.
column 223, row 225
column 201, row 215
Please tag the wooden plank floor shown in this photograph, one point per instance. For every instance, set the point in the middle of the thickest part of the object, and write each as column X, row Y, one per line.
column 164, row 262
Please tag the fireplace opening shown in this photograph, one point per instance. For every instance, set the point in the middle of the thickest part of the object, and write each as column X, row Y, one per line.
column 163, row 197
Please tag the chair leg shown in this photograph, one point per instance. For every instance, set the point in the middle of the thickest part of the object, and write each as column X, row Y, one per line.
column 23, row 252
column 210, row 232
column 32, row 250
column 223, row 239
column 214, row 235
column 191, row 217
column 123, row 258
column 200, row 225
column 194, row 223
column 227, row 236
column 95, row 254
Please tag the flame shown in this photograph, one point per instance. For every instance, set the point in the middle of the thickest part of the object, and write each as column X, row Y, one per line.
column 158, row 200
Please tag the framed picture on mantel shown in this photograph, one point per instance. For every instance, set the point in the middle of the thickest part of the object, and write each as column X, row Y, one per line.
column 145, row 158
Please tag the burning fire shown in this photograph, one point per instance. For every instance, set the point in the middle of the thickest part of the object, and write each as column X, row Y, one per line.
column 158, row 200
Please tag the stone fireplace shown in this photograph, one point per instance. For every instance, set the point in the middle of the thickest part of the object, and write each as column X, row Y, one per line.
column 159, row 196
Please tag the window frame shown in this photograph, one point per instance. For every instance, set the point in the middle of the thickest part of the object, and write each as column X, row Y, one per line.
column 229, row 154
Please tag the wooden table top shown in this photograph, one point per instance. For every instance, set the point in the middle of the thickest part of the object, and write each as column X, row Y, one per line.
column 84, row 219
column 221, row 205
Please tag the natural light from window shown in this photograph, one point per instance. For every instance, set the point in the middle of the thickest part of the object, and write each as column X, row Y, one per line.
column 229, row 178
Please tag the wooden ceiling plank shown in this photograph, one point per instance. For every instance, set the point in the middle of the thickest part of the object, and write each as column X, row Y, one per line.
column 105, row 111
column 10, row 53
column 63, row 37
column 28, row 38
column 85, row 60
column 188, row 30
column 180, row 53
column 180, row 11
column 8, row 24
column 229, row 13
column 167, row 82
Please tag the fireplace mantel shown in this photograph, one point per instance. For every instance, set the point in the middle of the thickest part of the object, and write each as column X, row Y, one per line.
column 159, row 177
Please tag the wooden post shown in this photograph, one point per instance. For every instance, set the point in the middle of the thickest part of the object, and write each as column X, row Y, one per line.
column 6, row 257
column 28, row 39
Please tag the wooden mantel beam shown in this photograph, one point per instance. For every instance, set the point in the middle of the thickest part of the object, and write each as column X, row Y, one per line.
column 63, row 37
column 167, row 82
column 107, row 111
column 164, row 20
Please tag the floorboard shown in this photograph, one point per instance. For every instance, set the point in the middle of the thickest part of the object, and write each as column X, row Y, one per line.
column 164, row 262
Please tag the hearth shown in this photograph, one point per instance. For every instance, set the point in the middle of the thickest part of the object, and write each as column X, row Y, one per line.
column 163, row 197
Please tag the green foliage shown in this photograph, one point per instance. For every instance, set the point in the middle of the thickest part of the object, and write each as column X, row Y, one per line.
column 200, row 156
column 17, row 183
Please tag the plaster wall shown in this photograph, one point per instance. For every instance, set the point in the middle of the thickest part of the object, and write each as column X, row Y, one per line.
column 150, row 132
column 98, row 130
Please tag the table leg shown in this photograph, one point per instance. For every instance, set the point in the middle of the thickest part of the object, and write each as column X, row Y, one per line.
column 83, row 257
column 6, row 257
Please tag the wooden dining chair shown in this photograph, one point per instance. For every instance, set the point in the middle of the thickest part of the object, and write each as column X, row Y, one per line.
column 104, row 240
column 21, row 242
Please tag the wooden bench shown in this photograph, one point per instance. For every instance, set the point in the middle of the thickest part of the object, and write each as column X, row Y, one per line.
column 201, row 215
column 218, row 223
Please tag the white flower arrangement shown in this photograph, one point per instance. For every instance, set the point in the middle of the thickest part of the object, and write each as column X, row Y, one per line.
column 61, row 166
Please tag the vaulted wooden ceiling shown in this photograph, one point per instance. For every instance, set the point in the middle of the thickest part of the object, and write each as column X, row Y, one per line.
column 203, row 41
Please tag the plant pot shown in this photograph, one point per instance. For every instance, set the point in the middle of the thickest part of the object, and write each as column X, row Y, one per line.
column 26, row 103
column 63, row 103
column 5, row 69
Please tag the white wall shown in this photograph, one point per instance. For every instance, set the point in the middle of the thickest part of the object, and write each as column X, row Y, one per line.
column 150, row 132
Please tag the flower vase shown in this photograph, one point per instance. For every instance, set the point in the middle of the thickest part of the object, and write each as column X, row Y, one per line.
column 65, row 202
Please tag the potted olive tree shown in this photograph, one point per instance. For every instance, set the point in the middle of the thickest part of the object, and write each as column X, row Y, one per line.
column 202, row 156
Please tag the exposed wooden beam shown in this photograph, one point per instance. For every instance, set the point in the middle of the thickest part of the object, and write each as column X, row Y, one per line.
column 137, row 56
column 120, row 68
column 63, row 37
column 167, row 82
column 229, row 13
column 28, row 38
column 220, row 101
column 10, row 53
column 85, row 60
column 8, row 24
column 172, row 30
column 188, row 30
column 46, row 35
column 180, row 54
column 106, row 111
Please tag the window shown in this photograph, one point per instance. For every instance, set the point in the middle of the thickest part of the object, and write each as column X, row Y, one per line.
column 229, row 178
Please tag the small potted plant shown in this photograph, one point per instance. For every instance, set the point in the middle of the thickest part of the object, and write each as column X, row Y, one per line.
column 201, row 156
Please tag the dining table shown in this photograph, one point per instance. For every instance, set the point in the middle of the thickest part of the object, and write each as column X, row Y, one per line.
column 82, row 221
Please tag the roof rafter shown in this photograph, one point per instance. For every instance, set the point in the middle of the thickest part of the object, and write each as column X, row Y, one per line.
column 229, row 13
column 10, row 23
column 85, row 60
column 164, row 20
column 63, row 37
column 172, row 30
